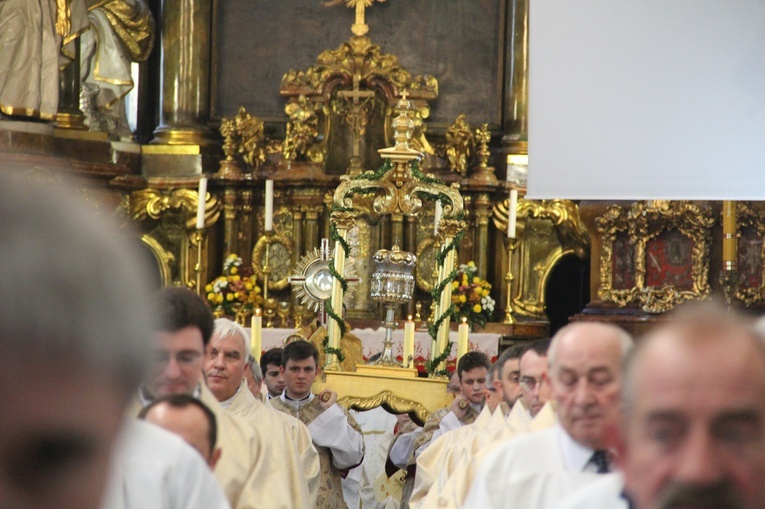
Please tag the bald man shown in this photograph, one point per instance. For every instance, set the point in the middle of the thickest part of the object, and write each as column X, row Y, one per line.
column 188, row 418
column 538, row 468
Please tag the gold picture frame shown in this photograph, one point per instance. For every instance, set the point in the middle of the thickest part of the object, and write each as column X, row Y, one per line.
column 670, row 253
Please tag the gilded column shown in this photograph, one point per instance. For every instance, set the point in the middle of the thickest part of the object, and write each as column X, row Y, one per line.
column 244, row 223
column 312, row 226
column 229, row 222
column 516, row 126
column 185, row 73
column 481, row 245
column 297, row 235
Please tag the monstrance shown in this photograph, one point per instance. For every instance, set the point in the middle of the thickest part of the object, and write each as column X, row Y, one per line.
column 313, row 282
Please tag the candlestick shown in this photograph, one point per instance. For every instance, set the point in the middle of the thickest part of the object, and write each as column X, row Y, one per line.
column 511, row 244
column 462, row 338
column 202, row 193
column 512, row 205
column 408, row 343
column 437, row 217
column 256, row 342
column 729, row 241
column 269, row 219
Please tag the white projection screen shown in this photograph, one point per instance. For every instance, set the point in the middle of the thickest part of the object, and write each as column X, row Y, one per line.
column 647, row 99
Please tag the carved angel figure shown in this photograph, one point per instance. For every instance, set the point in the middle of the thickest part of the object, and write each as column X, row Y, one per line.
column 460, row 144
column 250, row 130
column 302, row 129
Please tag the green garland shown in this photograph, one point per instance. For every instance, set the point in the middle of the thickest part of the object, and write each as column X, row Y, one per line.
column 431, row 366
column 330, row 351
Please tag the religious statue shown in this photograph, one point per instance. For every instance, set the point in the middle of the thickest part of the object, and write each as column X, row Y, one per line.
column 252, row 138
column 122, row 32
column 37, row 39
column 460, row 143
column 302, row 129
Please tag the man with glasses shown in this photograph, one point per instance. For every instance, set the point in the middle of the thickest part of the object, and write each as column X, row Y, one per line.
column 585, row 379
column 178, row 343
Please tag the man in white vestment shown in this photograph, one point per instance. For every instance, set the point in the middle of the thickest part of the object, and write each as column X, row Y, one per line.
column 74, row 329
column 335, row 434
column 188, row 418
column 224, row 371
column 535, row 393
column 472, row 369
column 246, row 470
column 155, row 469
column 585, row 378
column 509, row 373
column 406, row 441
column 270, row 365
column 254, row 377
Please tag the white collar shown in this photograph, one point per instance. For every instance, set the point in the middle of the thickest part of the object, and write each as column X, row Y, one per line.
column 575, row 455
column 227, row 403
column 297, row 403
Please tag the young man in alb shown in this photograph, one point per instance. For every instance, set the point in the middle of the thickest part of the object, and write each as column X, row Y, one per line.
column 335, row 434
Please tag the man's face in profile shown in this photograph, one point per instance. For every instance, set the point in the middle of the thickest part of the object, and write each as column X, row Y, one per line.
column 56, row 434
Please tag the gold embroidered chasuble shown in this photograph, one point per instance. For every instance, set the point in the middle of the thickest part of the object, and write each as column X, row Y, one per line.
column 330, row 494
column 287, row 434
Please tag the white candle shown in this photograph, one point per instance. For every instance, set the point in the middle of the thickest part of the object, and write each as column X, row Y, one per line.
column 511, row 213
column 437, row 217
column 269, row 222
column 201, row 202
column 462, row 338
column 256, row 341
column 408, row 341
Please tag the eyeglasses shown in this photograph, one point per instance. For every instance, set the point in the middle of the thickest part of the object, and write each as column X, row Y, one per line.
column 184, row 358
column 529, row 383
column 451, row 389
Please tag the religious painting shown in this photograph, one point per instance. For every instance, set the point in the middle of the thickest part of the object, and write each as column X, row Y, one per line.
column 669, row 260
column 460, row 42
column 622, row 262
column 751, row 267
column 667, row 246
column 750, row 258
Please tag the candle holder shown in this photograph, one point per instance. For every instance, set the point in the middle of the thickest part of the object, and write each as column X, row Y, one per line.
column 199, row 236
column 266, row 268
column 418, row 312
column 512, row 243
column 269, row 310
column 284, row 312
column 392, row 284
column 436, row 279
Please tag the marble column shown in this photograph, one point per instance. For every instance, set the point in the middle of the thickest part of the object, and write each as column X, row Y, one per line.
column 516, row 127
column 185, row 73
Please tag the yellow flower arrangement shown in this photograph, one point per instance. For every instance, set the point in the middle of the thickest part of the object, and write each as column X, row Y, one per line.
column 471, row 296
column 235, row 289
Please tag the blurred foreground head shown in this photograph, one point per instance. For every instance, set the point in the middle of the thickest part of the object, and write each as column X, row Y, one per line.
column 73, row 343
column 694, row 413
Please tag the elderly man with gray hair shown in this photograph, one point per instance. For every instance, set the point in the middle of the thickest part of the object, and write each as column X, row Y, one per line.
column 225, row 365
column 537, row 468
column 693, row 423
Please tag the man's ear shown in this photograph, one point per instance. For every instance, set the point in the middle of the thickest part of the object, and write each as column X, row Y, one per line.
column 214, row 458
